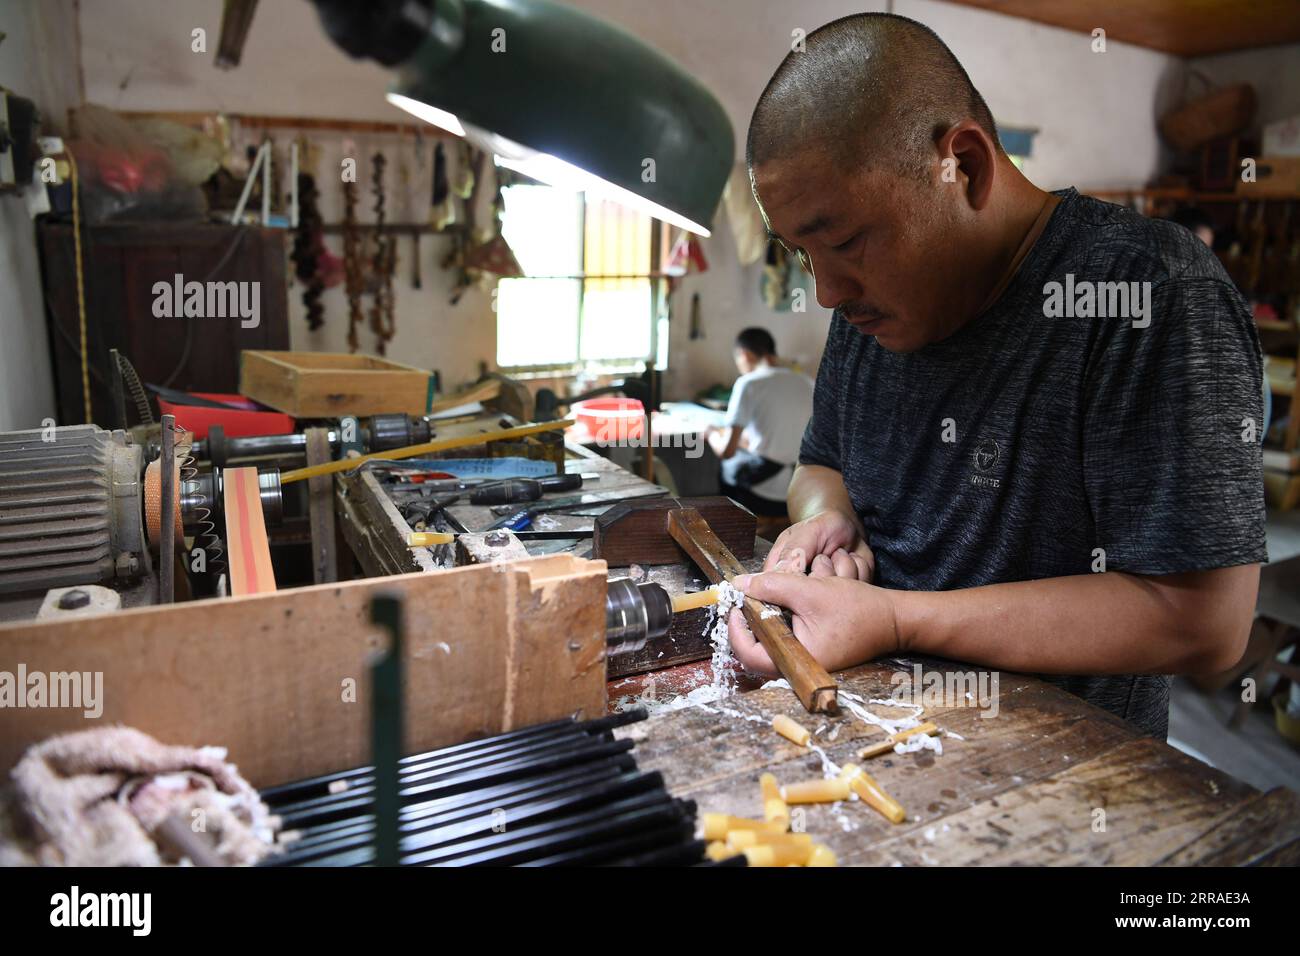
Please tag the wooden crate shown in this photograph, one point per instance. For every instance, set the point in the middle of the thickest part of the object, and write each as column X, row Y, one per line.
column 1276, row 177
column 281, row 679
column 330, row 384
column 1281, row 490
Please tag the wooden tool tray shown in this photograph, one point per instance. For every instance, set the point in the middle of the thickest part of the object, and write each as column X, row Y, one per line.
column 329, row 384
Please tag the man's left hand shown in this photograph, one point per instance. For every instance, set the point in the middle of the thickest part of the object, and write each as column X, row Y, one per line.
column 842, row 621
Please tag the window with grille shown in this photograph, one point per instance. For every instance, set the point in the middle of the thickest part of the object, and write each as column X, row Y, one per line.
column 591, row 293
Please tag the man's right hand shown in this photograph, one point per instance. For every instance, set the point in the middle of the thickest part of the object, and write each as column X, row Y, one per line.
column 827, row 544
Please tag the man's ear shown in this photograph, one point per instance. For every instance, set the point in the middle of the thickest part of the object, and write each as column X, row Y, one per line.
column 968, row 157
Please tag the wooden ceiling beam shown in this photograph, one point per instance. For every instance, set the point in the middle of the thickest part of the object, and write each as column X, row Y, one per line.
column 1185, row 28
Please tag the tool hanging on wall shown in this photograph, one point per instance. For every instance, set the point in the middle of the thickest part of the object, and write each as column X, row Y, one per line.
column 407, row 212
column 468, row 175
column 382, row 319
column 442, row 203
column 494, row 256
column 776, row 279
column 469, row 167
column 352, row 264
column 306, row 249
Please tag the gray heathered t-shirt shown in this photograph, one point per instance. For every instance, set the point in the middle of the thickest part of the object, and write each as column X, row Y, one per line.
column 1021, row 445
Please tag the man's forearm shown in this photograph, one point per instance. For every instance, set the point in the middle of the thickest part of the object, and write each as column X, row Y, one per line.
column 725, row 442
column 815, row 489
column 1110, row 623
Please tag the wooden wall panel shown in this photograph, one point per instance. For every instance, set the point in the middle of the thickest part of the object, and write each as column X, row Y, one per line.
column 122, row 261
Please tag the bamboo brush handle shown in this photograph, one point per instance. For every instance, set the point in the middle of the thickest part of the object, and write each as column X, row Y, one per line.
column 427, row 448
column 814, row 687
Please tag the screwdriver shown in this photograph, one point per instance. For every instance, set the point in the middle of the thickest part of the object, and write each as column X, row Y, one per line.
column 514, row 490
column 518, row 520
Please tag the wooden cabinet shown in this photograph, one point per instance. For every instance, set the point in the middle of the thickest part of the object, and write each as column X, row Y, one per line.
column 123, row 263
column 1257, row 238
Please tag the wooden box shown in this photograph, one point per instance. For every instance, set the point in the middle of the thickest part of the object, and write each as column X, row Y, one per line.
column 281, row 679
column 330, row 384
column 1281, row 490
column 1276, row 177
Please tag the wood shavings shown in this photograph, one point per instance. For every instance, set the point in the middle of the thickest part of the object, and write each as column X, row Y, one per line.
column 723, row 662
column 856, row 705
column 889, row 743
column 847, row 824
column 700, row 697
column 918, row 742
column 829, row 767
column 756, row 718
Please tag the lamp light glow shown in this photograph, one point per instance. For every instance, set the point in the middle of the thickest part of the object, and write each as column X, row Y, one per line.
column 543, row 167
column 557, row 94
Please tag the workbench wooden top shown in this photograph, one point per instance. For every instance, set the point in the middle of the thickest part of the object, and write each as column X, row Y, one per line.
column 1024, row 787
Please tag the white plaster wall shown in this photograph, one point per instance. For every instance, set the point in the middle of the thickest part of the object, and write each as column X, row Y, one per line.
column 1096, row 113
column 1274, row 71
column 38, row 60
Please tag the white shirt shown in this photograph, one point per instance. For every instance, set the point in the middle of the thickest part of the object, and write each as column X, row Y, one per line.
column 772, row 404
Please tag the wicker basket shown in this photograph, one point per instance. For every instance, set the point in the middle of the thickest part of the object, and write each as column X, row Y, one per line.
column 1220, row 113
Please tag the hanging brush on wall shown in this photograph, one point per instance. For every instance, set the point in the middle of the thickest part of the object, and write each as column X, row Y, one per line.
column 307, row 243
column 382, row 320
column 353, row 268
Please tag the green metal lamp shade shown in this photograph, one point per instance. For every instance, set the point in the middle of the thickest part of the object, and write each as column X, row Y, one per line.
column 572, row 101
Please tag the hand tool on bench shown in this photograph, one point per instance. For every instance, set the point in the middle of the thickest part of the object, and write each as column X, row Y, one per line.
column 516, row 490
column 814, row 687
column 427, row 448
column 518, row 520
column 659, row 532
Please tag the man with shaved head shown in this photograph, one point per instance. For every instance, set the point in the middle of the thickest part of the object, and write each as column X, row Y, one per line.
column 1034, row 442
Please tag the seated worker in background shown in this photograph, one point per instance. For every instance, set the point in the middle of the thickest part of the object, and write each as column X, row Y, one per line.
column 759, row 443
column 1197, row 222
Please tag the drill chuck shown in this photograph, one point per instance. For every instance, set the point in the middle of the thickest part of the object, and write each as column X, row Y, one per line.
column 634, row 613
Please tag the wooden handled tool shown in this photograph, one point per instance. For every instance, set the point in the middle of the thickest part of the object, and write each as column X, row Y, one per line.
column 814, row 687
column 426, row 448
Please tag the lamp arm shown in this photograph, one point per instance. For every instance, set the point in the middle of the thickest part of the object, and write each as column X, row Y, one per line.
column 392, row 31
